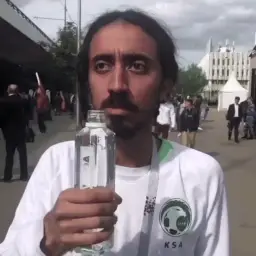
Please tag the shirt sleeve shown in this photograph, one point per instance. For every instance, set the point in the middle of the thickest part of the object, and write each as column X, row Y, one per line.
column 172, row 116
column 214, row 238
column 26, row 231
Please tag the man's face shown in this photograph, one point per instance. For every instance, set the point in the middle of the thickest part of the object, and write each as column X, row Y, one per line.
column 237, row 101
column 125, row 77
column 188, row 104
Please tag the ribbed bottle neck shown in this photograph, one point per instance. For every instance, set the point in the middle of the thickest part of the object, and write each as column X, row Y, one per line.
column 96, row 118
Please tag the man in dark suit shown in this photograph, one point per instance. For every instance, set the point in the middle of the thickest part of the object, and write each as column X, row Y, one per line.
column 14, row 125
column 234, row 117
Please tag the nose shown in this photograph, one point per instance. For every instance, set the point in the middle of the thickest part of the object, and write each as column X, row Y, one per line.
column 119, row 81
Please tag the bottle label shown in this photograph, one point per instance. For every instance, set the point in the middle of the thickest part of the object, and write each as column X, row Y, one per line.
column 101, row 137
column 86, row 164
column 96, row 152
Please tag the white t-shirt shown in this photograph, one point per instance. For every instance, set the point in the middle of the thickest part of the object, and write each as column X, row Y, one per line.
column 166, row 115
column 190, row 214
column 236, row 114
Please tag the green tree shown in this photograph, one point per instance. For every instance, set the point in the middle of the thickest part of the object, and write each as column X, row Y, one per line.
column 192, row 80
column 64, row 55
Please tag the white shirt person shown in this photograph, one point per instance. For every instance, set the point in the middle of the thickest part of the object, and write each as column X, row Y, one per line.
column 195, row 210
column 169, row 200
column 167, row 115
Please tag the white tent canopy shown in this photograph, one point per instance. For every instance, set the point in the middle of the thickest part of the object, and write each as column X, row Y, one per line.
column 229, row 91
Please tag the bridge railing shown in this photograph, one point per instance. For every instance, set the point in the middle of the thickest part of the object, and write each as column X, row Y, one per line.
column 22, row 14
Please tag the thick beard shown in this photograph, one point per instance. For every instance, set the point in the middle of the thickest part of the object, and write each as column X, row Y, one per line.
column 122, row 128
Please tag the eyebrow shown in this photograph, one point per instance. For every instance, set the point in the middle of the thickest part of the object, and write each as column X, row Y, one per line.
column 129, row 56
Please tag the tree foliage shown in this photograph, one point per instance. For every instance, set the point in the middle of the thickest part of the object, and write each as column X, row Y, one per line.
column 64, row 54
column 191, row 80
column 65, row 51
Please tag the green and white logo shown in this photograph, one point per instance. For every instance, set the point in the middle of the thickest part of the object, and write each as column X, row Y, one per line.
column 175, row 217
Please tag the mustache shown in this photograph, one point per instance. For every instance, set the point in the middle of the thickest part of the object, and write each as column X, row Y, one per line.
column 119, row 100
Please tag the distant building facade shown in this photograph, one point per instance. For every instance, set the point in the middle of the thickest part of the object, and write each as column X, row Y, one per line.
column 218, row 64
column 253, row 73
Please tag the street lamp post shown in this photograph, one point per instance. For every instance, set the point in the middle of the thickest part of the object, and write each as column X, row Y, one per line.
column 79, row 24
column 65, row 14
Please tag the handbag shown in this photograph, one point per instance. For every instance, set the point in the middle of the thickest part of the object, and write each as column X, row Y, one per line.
column 30, row 135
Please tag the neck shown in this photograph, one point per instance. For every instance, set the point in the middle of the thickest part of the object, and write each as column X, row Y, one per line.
column 135, row 152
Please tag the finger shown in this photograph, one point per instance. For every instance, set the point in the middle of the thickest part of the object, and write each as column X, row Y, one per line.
column 85, row 239
column 94, row 195
column 117, row 199
column 69, row 210
column 81, row 224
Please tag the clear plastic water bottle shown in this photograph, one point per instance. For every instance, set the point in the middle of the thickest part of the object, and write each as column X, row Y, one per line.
column 95, row 158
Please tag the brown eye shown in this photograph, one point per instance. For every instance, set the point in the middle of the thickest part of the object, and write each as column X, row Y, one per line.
column 102, row 66
column 138, row 66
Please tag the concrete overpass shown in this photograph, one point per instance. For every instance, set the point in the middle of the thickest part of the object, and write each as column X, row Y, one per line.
column 20, row 38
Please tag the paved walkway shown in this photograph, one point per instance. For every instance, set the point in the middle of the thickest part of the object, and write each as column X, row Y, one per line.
column 239, row 165
column 62, row 128
column 238, row 162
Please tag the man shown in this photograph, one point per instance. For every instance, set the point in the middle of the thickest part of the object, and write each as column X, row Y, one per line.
column 171, row 204
column 250, row 119
column 248, row 110
column 15, row 121
column 165, row 119
column 244, row 107
column 234, row 117
column 189, row 123
column 42, row 107
column 198, row 104
column 57, row 104
column 205, row 109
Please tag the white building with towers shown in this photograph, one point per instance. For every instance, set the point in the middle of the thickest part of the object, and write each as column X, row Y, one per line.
column 219, row 63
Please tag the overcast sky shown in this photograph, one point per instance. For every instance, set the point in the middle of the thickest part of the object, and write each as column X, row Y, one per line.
column 192, row 22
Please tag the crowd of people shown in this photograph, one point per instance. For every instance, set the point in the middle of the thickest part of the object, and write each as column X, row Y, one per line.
column 182, row 115
column 185, row 115
column 242, row 114
column 18, row 110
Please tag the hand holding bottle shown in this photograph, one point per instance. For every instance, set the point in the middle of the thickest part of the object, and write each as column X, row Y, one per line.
column 76, row 211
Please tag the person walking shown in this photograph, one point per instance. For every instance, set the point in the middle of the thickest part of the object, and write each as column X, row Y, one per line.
column 42, row 108
column 234, row 116
column 57, row 104
column 15, row 121
column 204, row 109
column 189, row 123
column 165, row 119
column 250, row 119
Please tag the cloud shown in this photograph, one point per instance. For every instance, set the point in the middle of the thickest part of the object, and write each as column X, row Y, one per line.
column 192, row 22
column 21, row 3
